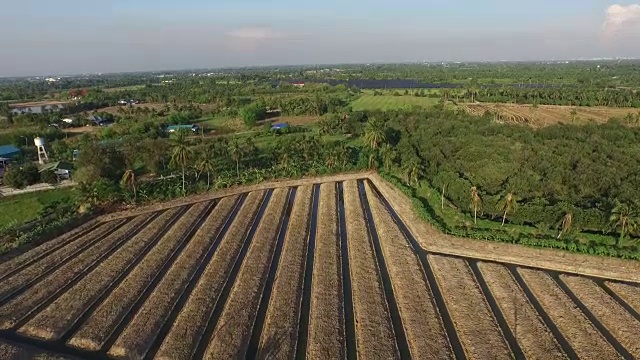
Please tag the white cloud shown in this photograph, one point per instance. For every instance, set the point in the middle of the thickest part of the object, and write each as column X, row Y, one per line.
column 621, row 21
column 256, row 34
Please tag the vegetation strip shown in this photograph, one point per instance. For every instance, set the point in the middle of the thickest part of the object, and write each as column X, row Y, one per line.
column 583, row 337
column 326, row 331
column 374, row 326
column 277, row 337
column 473, row 318
column 304, row 316
column 24, row 280
column 626, row 295
column 425, row 333
column 113, row 311
column 188, row 328
column 17, row 264
column 232, row 335
column 594, row 320
column 143, row 329
column 497, row 312
column 396, row 319
column 619, row 322
column 13, row 313
column 55, row 320
column 441, row 305
column 221, row 218
column 529, row 330
column 212, row 324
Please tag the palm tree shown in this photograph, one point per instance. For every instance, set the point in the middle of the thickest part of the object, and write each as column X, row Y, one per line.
column 181, row 154
column 236, row 152
column 129, row 182
column 411, row 171
column 388, row 156
column 625, row 219
column 206, row 163
column 534, row 110
column 565, row 224
column 374, row 133
column 507, row 206
column 476, row 202
column 574, row 115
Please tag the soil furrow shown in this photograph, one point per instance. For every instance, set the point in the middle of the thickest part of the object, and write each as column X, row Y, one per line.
column 190, row 325
column 138, row 337
column 280, row 331
column 423, row 327
column 374, row 329
column 479, row 333
column 233, row 331
column 28, row 302
column 53, row 322
column 326, row 332
column 587, row 342
column 535, row 339
column 99, row 328
column 620, row 323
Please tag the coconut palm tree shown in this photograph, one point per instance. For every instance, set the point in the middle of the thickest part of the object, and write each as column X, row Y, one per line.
column 206, row 163
column 181, row 153
column 237, row 153
column 388, row 156
column 374, row 133
column 624, row 219
column 129, row 182
column 411, row 171
column 476, row 202
column 507, row 205
column 565, row 224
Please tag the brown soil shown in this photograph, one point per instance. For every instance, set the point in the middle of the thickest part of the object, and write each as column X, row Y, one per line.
column 374, row 332
column 420, row 318
column 233, row 332
column 587, row 342
column 534, row 337
column 326, row 325
column 52, row 322
column 624, row 327
column 138, row 337
column 283, row 313
column 474, row 322
column 20, row 306
column 96, row 331
column 630, row 294
column 187, row 330
column 11, row 351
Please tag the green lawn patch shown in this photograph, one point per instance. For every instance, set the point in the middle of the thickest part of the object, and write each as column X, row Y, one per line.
column 390, row 102
column 20, row 209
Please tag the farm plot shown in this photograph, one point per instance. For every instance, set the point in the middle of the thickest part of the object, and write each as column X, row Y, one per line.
column 545, row 115
column 388, row 102
column 316, row 270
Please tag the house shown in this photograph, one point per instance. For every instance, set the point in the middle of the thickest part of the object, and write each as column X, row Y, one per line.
column 9, row 151
column 67, row 121
column 100, row 121
column 61, row 168
column 298, row 84
column 280, row 128
column 173, row 128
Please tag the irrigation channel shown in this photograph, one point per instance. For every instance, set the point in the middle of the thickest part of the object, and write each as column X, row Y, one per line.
column 292, row 273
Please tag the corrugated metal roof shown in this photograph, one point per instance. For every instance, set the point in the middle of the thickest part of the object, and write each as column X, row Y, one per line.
column 8, row 150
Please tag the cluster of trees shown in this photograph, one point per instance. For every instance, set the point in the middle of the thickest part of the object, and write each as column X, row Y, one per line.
column 21, row 176
column 582, row 177
column 573, row 96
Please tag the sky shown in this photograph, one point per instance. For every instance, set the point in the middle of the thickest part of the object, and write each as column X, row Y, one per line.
column 43, row 37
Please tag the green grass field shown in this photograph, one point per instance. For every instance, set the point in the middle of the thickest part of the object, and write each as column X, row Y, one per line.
column 386, row 102
column 23, row 208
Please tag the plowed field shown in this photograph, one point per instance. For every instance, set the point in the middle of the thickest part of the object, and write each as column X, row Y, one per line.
column 321, row 269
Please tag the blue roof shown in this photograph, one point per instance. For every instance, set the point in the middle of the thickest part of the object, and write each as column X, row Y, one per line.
column 279, row 126
column 8, row 150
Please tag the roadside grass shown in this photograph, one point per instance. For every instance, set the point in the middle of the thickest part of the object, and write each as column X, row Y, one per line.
column 390, row 102
column 20, row 209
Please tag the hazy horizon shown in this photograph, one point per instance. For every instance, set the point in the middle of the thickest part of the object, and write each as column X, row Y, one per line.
column 73, row 37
